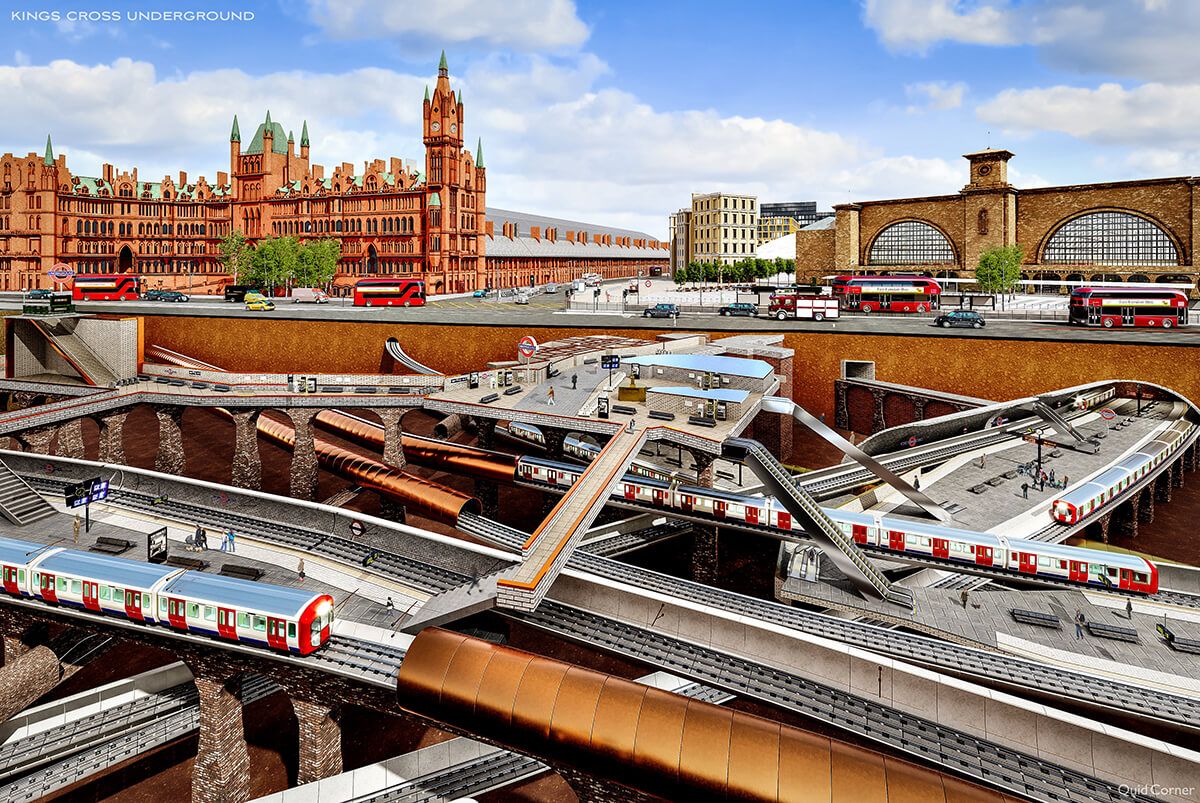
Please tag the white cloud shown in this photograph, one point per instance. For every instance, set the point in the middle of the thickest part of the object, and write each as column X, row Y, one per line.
column 936, row 95
column 522, row 25
column 1151, row 115
column 552, row 143
column 1151, row 40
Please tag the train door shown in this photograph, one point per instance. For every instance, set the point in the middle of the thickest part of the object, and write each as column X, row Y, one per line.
column 175, row 613
column 1126, row 579
column 1127, row 316
column 941, row 548
column 277, row 633
column 1028, row 563
column 10, row 580
column 784, row 520
column 983, row 555
column 552, row 476
column 658, row 496
column 718, row 508
column 859, row 533
column 133, row 604
column 751, row 515
column 629, row 491
column 227, row 622
column 47, row 586
column 896, row 540
column 685, row 502
column 1078, row 571
column 90, row 599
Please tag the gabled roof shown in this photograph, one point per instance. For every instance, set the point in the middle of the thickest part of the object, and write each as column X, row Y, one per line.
column 278, row 143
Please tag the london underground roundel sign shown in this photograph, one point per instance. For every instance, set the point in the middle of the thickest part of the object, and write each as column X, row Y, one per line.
column 60, row 272
column 1107, row 414
column 528, row 346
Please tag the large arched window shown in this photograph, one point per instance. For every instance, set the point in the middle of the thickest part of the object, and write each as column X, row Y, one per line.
column 1111, row 238
column 910, row 242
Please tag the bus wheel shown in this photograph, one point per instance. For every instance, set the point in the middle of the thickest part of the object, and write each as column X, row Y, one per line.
column 866, row 307
column 406, row 303
column 818, row 316
column 922, row 308
column 1166, row 323
column 1108, row 323
column 781, row 316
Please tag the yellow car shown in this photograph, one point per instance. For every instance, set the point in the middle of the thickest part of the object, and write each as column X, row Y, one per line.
column 259, row 303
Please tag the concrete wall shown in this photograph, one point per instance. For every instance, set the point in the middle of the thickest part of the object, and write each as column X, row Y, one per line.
column 1093, row 748
column 114, row 342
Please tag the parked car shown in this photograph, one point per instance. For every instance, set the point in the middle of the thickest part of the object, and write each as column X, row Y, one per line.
column 257, row 302
column 479, row 294
column 961, row 317
column 311, row 295
column 237, row 292
column 661, row 311
column 38, row 292
column 740, row 308
column 152, row 295
column 522, row 298
column 171, row 295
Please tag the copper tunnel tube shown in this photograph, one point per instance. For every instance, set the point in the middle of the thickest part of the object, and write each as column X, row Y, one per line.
column 419, row 495
column 647, row 739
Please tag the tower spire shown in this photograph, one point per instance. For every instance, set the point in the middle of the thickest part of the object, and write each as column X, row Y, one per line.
column 479, row 153
column 427, row 92
column 235, row 135
column 49, row 160
column 442, row 68
column 304, row 135
column 268, row 118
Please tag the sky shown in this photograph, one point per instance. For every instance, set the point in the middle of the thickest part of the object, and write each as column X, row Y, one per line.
column 613, row 111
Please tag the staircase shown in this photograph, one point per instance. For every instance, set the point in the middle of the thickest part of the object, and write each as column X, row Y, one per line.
column 63, row 340
column 19, row 503
column 842, row 550
column 1063, row 427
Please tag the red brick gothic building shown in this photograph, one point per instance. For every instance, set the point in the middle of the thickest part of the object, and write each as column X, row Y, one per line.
column 393, row 218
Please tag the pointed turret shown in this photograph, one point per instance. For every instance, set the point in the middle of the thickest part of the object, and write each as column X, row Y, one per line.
column 49, row 160
column 479, row 153
column 442, row 68
column 291, row 137
column 235, row 135
column 427, row 92
column 268, row 118
column 304, row 135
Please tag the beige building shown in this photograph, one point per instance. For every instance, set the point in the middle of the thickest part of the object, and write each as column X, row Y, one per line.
column 724, row 227
column 681, row 239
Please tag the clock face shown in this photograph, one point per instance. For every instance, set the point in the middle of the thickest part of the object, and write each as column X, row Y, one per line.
column 985, row 169
column 435, row 126
column 453, row 128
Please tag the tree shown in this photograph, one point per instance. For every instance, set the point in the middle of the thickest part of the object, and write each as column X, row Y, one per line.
column 273, row 262
column 316, row 262
column 680, row 277
column 999, row 268
column 235, row 256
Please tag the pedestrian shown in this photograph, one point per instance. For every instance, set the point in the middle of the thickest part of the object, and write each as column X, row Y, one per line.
column 198, row 532
column 1129, row 609
column 300, row 569
column 1025, row 489
column 983, row 461
column 550, row 397
column 1079, row 620
column 474, row 579
column 224, row 540
column 916, row 483
column 202, row 538
column 231, row 549
column 1051, row 476
column 574, row 381
column 390, row 605
column 75, row 526
column 1065, row 481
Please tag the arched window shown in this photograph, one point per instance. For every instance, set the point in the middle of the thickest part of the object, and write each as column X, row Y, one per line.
column 1111, row 238
column 910, row 242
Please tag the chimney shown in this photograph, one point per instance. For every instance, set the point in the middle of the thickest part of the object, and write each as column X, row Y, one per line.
column 318, row 172
column 182, row 179
column 108, row 173
column 536, row 233
column 222, row 178
column 395, row 166
column 571, row 237
column 596, row 239
column 487, row 227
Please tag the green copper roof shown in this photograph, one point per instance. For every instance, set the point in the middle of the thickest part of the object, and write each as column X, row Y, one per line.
column 268, row 116
column 479, row 154
column 49, row 160
column 304, row 135
column 427, row 92
column 442, row 64
column 435, row 200
column 235, row 135
column 278, row 143
column 291, row 137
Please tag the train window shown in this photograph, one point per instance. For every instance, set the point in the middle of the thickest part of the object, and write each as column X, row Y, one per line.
column 37, row 578
column 146, row 603
column 62, row 584
column 924, row 542
column 260, row 623
column 76, row 586
column 910, row 539
column 210, row 614
column 1139, row 577
column 291, row 629
column 21, row 575
column 162, row 604
column 1043, row 561
column 193, row 610
column 104, row 592
column 243, row 620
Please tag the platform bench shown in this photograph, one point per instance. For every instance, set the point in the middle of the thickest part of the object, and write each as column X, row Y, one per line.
column 1115, row 632
column 331, row 388
column 623, row 410
column 111, row 546
column 978, row 489
column 1185, row 645
column 180, row 562
column 240, row 572
column 513, row 389
column 488, row 399
column 662, row 415
column 701, row 422
column 364, row 389
column 222, row 388
column 1036, row 618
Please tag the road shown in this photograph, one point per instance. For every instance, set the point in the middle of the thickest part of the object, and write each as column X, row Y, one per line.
column 549, row 310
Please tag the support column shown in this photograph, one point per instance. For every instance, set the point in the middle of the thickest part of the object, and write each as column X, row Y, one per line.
column 919, row 403
column 554, row 441
column 485, row 431
column 247, row 466
column 170, row 458
column 1105, row 523
column 1162, row 487
column 304, row 454
column 222, row 770
column 879, row 422
column 489, row 496
column 1126, row 518
column 1146, row 505
column 320, row 742
column 841, row 410
column 393, row 434
column 38, row 440
column 112, row 446
column 1176, row 471
column 70, row 439
column 705, row 543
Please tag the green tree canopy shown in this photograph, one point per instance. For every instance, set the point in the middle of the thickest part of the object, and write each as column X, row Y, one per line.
column 235, row 256
column 274, row 261
column 999, row 268
column 316, row 262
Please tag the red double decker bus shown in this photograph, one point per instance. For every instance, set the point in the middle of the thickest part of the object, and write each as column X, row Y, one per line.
column 1119, row 306
column 887, row 293
column 389, row 293
column 102, row 287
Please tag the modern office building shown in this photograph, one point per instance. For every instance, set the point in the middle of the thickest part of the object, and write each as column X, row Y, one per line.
column 781, row 219
column 724, row 227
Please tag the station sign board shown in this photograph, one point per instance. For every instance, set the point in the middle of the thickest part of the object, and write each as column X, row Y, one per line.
column 357, row 528
column 156, row 546
column 602, row 407
column 85, row 492
column 61, row 273
column 610, row 362
column 527, row 347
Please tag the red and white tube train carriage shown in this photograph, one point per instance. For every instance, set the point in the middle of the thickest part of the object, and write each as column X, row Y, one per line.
column 1102, row 489
column 285, row 619
column 1019, row 556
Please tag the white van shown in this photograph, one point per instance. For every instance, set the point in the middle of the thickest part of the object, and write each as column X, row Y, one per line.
column 312, row 295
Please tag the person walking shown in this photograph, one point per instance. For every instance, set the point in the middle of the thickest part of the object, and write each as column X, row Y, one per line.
column 300, row 570
column 550, row 397
column 1025, row 490
column 390, row 605
column 1129, row 609
column 964, row 597
column 983, row 461
column 1079, row 620
column 474, row 579
column 224, row 540
column 916, row 483
column 1065, row 481
column 574, row 381
column 231, row 547
column 75, row 526
column 1052, row 476
column 202, row 537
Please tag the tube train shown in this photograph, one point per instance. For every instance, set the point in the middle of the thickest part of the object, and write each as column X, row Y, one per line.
column 1019, row 556
column 1099, row 491
column 281, row 618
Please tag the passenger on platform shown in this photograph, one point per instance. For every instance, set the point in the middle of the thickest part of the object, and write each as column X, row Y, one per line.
column 390, row 605
column 75, row 526
column 1025, row 490
column 202, row 537
column 231, row 549
column 916, row 483
column 1051, row 476
column 1129, row 609
column 574, row 381
column 300, row 569
column 964, row 598
column 550, row 397
column 1065, row 481
column 1079, row 620
column 983, row 461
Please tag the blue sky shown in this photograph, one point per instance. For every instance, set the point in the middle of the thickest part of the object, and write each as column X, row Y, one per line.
column 613, row 112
